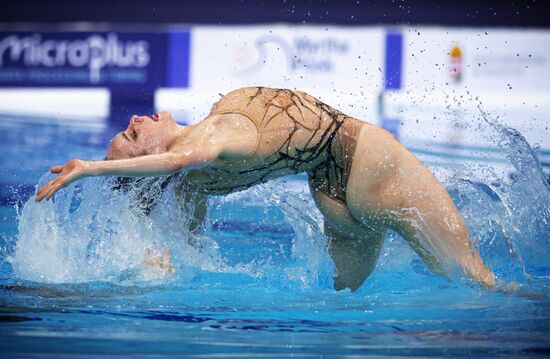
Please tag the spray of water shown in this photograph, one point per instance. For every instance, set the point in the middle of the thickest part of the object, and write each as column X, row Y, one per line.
column 96, row 231
column 508, row 211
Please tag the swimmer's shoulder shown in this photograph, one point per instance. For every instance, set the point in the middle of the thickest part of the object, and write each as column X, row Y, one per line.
column 244, row 92
column 234, row 100
column 253, row 91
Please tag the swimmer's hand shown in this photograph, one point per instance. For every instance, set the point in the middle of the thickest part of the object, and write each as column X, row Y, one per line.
column 71, row 171
column 162, row 262
column 486, row 278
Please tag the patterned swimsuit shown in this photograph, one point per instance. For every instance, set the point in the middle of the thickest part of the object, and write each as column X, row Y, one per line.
column 296, row 133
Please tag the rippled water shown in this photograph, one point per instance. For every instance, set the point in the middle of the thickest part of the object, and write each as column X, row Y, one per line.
column 258, row 281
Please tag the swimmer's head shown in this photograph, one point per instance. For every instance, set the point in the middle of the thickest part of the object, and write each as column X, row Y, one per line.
column 145, row 135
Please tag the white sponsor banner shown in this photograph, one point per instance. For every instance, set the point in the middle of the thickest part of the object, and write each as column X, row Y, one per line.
column 455, row 80
column 486, row 60
column 341, row 66
column 75, row 107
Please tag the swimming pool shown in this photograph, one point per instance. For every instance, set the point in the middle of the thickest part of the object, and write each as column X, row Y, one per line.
column 258, row 283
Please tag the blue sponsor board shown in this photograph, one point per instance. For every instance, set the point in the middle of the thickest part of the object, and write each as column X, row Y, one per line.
column 128, row 63
column 394, row 60
column 392, row 77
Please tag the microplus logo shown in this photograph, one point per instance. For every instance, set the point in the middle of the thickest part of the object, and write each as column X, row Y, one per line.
column 94, row 52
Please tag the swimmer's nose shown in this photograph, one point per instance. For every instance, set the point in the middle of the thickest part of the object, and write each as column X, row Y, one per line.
column 135, row 120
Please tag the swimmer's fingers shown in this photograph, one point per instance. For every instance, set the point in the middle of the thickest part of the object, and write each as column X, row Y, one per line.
column 68, row 173
column 56, row 186
column 48, row 190
column 166, row 262
column 51, row 187
column 43, row 191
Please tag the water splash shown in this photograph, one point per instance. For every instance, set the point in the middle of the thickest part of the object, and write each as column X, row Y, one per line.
column 508, row 211
column 310, row 264
column 96, row 231
column 87, row 233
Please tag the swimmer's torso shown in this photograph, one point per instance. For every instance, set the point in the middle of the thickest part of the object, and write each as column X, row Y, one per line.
column 296, row 133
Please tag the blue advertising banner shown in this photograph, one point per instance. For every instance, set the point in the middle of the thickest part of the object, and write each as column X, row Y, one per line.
column 128, row 63
column 394, row 60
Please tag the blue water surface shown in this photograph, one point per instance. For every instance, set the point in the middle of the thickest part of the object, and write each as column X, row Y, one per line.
column 261, row 283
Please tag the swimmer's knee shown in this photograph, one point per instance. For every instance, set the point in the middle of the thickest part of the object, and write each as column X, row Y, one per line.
column 351, row 283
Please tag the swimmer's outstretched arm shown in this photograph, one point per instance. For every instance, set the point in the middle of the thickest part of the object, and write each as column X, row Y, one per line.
column 142, row 166
column 208, row 140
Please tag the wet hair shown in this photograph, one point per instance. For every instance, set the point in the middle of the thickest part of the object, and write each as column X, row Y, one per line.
column 144, row 191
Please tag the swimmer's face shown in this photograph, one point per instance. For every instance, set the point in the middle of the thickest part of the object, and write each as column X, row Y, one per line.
column 145, row 135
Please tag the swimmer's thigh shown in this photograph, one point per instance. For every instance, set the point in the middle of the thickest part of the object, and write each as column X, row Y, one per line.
column 371, row 189
column 386, row 181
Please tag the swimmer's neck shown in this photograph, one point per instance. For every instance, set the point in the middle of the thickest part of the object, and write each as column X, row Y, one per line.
column 181, row 132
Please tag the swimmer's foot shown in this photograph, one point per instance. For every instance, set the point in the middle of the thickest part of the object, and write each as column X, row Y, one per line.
column 162, row 262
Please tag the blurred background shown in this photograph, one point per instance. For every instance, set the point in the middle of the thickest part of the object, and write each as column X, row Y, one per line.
column 72, row 73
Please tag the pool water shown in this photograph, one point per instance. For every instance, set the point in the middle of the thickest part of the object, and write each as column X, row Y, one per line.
column 258, row 281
